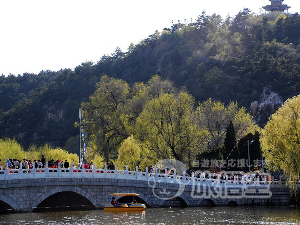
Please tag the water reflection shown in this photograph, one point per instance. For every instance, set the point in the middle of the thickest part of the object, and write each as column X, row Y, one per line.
column 162, row 216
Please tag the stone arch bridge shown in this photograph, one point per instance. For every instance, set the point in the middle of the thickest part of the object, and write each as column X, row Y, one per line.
column 37, row 189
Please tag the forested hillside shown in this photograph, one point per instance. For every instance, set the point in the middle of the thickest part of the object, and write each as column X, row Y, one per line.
column 225, row 59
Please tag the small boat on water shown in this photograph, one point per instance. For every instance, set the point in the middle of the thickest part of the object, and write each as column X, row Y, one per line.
column 115, row 206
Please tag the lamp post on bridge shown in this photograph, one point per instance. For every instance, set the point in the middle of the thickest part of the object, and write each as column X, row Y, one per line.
column 249, row 142
column 81, row 113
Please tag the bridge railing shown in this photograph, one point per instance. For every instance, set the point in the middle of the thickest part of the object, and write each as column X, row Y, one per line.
column 75, row 172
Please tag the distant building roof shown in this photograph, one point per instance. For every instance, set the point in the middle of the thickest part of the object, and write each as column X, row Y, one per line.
column 276, row 5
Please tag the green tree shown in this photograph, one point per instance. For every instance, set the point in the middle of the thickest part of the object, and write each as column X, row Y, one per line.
column 214, row 117
column 230, row 142
column 164, row 126
column 156, row 86
column 129, row 154
column 280, row 140
column 49, row 152
column 141, row 93
column 226, row 60
column 10, row 149
column 239, row 23
column 132, row 154
column 135, row 103
column 104, row 115
column 72, row 144
column 243, row 123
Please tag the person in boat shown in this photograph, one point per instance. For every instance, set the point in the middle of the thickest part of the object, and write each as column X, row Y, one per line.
column 113, row 201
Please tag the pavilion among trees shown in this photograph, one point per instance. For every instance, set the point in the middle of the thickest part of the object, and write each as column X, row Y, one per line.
column 276, row 5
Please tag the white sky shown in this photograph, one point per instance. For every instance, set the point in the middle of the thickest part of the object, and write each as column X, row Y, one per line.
column 56, row 34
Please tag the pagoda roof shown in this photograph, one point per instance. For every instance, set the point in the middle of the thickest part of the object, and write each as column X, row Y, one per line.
column 273, row 8
column 276, row 5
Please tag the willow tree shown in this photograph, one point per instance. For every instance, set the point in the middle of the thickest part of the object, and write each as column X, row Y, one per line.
column 104, row 114
column 141, row 93
column 280, row 140
column 10, row 149
column 132, row 154
column 164, row 126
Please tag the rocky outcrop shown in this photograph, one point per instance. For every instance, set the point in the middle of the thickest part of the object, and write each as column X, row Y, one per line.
column 54, row 112
column 268, row 104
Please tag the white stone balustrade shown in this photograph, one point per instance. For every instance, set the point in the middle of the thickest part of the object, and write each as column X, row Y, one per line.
column 74, row 172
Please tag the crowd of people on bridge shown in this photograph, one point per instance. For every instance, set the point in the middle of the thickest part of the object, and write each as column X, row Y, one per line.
column 41, row 163
column 200, row 175
column 234, row 176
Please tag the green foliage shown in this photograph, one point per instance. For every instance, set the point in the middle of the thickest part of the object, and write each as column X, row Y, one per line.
column 163, row 120
column 50, row 153
column 214, row 117
column 10, row 149
column 98, row 161
column 103, row 116
column 165, row 126
column 226, row 60
column 92, row 156
column 281, row 140
column 129, row 154
column 60, row 154
column 72, row 145
column 230, row 141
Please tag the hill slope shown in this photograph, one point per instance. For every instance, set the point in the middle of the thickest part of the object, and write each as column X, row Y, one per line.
column 229, row 59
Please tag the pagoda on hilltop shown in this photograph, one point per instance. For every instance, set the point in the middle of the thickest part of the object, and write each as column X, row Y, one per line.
column 276, row 5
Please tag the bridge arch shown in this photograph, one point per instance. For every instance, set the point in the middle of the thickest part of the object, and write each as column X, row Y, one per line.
column 232, row 203
column 141, row 196
column 56, row 190
column 208, row 202
column 9, row 202
column 179, row 201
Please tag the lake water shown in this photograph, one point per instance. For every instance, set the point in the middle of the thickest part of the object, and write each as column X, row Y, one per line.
column 162, row 216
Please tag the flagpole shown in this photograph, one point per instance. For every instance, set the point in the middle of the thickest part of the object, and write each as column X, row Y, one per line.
column 80, row 131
